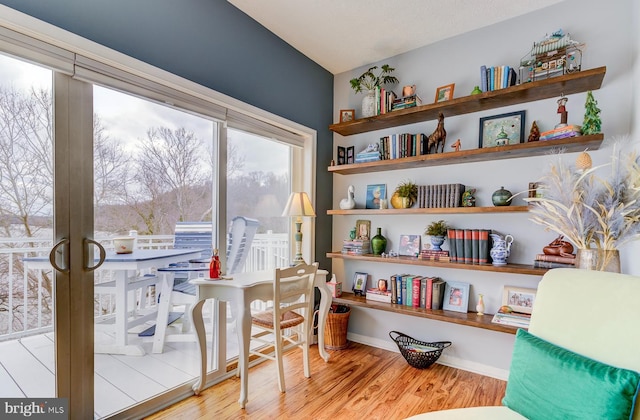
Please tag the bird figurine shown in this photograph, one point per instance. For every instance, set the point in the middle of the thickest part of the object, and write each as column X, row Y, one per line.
column 348, row 203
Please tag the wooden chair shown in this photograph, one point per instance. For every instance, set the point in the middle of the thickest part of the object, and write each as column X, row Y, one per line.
column 293, row 300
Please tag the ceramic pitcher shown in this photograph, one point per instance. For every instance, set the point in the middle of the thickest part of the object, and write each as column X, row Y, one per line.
column 501, row 248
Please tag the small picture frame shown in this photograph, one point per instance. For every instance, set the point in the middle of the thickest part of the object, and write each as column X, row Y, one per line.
column 409, row 245
column 502, row 130
column 444, row 93
column 342, row 155
column 351, row 150
column 347, row 115
column 519, row 299
column 456, row 297
column 359, row 283
column 363, row 229
column 375, row 193
column 533, row 190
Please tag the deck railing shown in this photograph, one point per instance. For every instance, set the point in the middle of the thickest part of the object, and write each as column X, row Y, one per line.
column 25, row 297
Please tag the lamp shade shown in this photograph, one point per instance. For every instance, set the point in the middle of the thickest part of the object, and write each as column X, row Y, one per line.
column 298, row 205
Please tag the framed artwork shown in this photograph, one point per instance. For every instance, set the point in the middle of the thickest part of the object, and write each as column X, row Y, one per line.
column 359, row 283
column 363, row 229
column 342, row 155
column 444, row 93
column 501, row 130
column 456, row 297
column 409, row 245
column 347, row 115
column 519, row 299
column 375, row 193
column 351, row 150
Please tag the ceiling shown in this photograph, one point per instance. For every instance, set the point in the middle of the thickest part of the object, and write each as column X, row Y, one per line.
column 341, row 35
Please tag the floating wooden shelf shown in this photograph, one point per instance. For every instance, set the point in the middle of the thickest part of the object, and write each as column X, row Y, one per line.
column 509, row 268
column 443, row 210
column 581, row 81
column 534, row 148
column 470, row 319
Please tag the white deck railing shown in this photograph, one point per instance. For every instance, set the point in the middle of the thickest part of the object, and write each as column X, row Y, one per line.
column 25, row 297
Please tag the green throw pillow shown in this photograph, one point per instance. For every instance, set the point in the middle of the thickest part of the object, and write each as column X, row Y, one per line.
column 549, row 382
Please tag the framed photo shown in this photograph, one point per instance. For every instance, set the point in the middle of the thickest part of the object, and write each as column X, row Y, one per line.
column 444, row 93
column 501, row 130
column 533, row 190
column 375, row 193
column 359, row 283
column 456, row 297
column 342, row 155
column 363, row 229
column 519, row 299
column 351, row 150
column 347, row 115
column 409, row 245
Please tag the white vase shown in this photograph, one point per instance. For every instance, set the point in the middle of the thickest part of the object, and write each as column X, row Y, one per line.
column 369, row 104
column 480, row 305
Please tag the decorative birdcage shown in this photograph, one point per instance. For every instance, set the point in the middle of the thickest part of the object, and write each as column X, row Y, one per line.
column 555, row 55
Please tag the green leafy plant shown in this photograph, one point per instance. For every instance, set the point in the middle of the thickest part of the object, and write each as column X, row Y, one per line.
column 407, row 189
column 438, row 228
column 368, row 80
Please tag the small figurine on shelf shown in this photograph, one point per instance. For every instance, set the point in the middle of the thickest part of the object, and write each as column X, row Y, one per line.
column 534, row 133
column 468, row 200
column 456, row 145
column 214, row 266
column 438, row 136
column 559, row 247
column 480, row 305
column 591, row 123
column 562, row 110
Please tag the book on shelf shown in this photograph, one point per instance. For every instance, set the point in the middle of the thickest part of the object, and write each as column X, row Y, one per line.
column 483, row 246
column 437, row 293
column 560, row 130
column 378, row 295
column 514, row 319
column 468, row 247
column 556, row 258
column 435, row 258
column 431, row 252
column 394, row 288
column 459, row 242
column 451, row 236
column 415, row 296
column 475, row 246
column 551, row 264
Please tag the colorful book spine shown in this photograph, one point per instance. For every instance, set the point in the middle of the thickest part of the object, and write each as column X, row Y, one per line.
column 423, row 292
column 400, row 293
column 406, row 290
column 475, row 246
column 483, row 78
column 468, row 256
column 438, row 294
column 429, row 297
column 415, row 301
column 451, row 236
column 460, row 245
column 483, row 246
column 394, row 289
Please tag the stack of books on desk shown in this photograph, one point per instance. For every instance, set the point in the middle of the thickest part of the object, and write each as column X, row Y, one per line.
column 554, row 261
column 514, row 319
column 378, row 295
column 356, row 246
column 562, row 132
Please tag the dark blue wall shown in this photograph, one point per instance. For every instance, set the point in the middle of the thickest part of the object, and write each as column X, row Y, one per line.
column 216, row 45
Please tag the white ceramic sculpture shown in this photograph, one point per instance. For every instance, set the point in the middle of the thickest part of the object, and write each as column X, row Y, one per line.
column 348, row 203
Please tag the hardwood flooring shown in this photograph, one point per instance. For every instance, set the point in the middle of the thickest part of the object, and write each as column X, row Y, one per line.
column 360, row 382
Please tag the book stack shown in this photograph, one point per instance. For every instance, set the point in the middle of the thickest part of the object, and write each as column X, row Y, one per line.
column 356, row 246
column 515, row 319
column 378, row 295
column 561, row 133
column 440, row 196
column 554, row 261
column 406, row 102
column 367, row 157
column 384, row 100
column 432, row 255
column 469, row 246
column 417, row 291
column 494, row 78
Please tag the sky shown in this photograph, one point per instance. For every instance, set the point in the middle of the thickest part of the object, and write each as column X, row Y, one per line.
column 127, row 118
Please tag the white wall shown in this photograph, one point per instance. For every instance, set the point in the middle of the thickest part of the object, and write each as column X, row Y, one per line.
column 611, row 38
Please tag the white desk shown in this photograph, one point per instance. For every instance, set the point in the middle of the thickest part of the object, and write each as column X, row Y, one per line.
column 243, row 289
column 125, row 268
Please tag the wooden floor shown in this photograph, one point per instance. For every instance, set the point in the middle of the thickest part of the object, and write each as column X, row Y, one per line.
column 359, row 382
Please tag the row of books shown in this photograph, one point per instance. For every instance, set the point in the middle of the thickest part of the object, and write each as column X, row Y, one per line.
column 367, row 157
column 356, row 246
column 417, row 291
column 554, row 261
column 440, row 196
column 469, row 246
column 514, row 319
column 494, row 78
column 384, row 100
column 562, row 132
column 405, row 102
column 396, row 146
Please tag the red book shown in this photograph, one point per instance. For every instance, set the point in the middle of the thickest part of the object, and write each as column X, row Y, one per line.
column 429, row 292
column 415, row 296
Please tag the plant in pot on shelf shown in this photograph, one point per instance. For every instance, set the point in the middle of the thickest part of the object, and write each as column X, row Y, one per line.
column 437, row 231
column 405, row 195
column 598, row 214
column 368, row 82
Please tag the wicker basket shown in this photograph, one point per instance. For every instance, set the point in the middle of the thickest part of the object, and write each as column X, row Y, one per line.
column 335, row 330
column 410, row 350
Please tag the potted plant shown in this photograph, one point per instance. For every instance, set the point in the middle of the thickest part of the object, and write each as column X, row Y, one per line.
column 368, row 82
column 408, row 193
column 437, row 231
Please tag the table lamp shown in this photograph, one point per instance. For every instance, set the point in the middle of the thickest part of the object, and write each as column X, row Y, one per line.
column 298, row 206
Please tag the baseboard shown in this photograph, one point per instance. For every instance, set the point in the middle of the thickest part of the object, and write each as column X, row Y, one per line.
column 445, row 360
